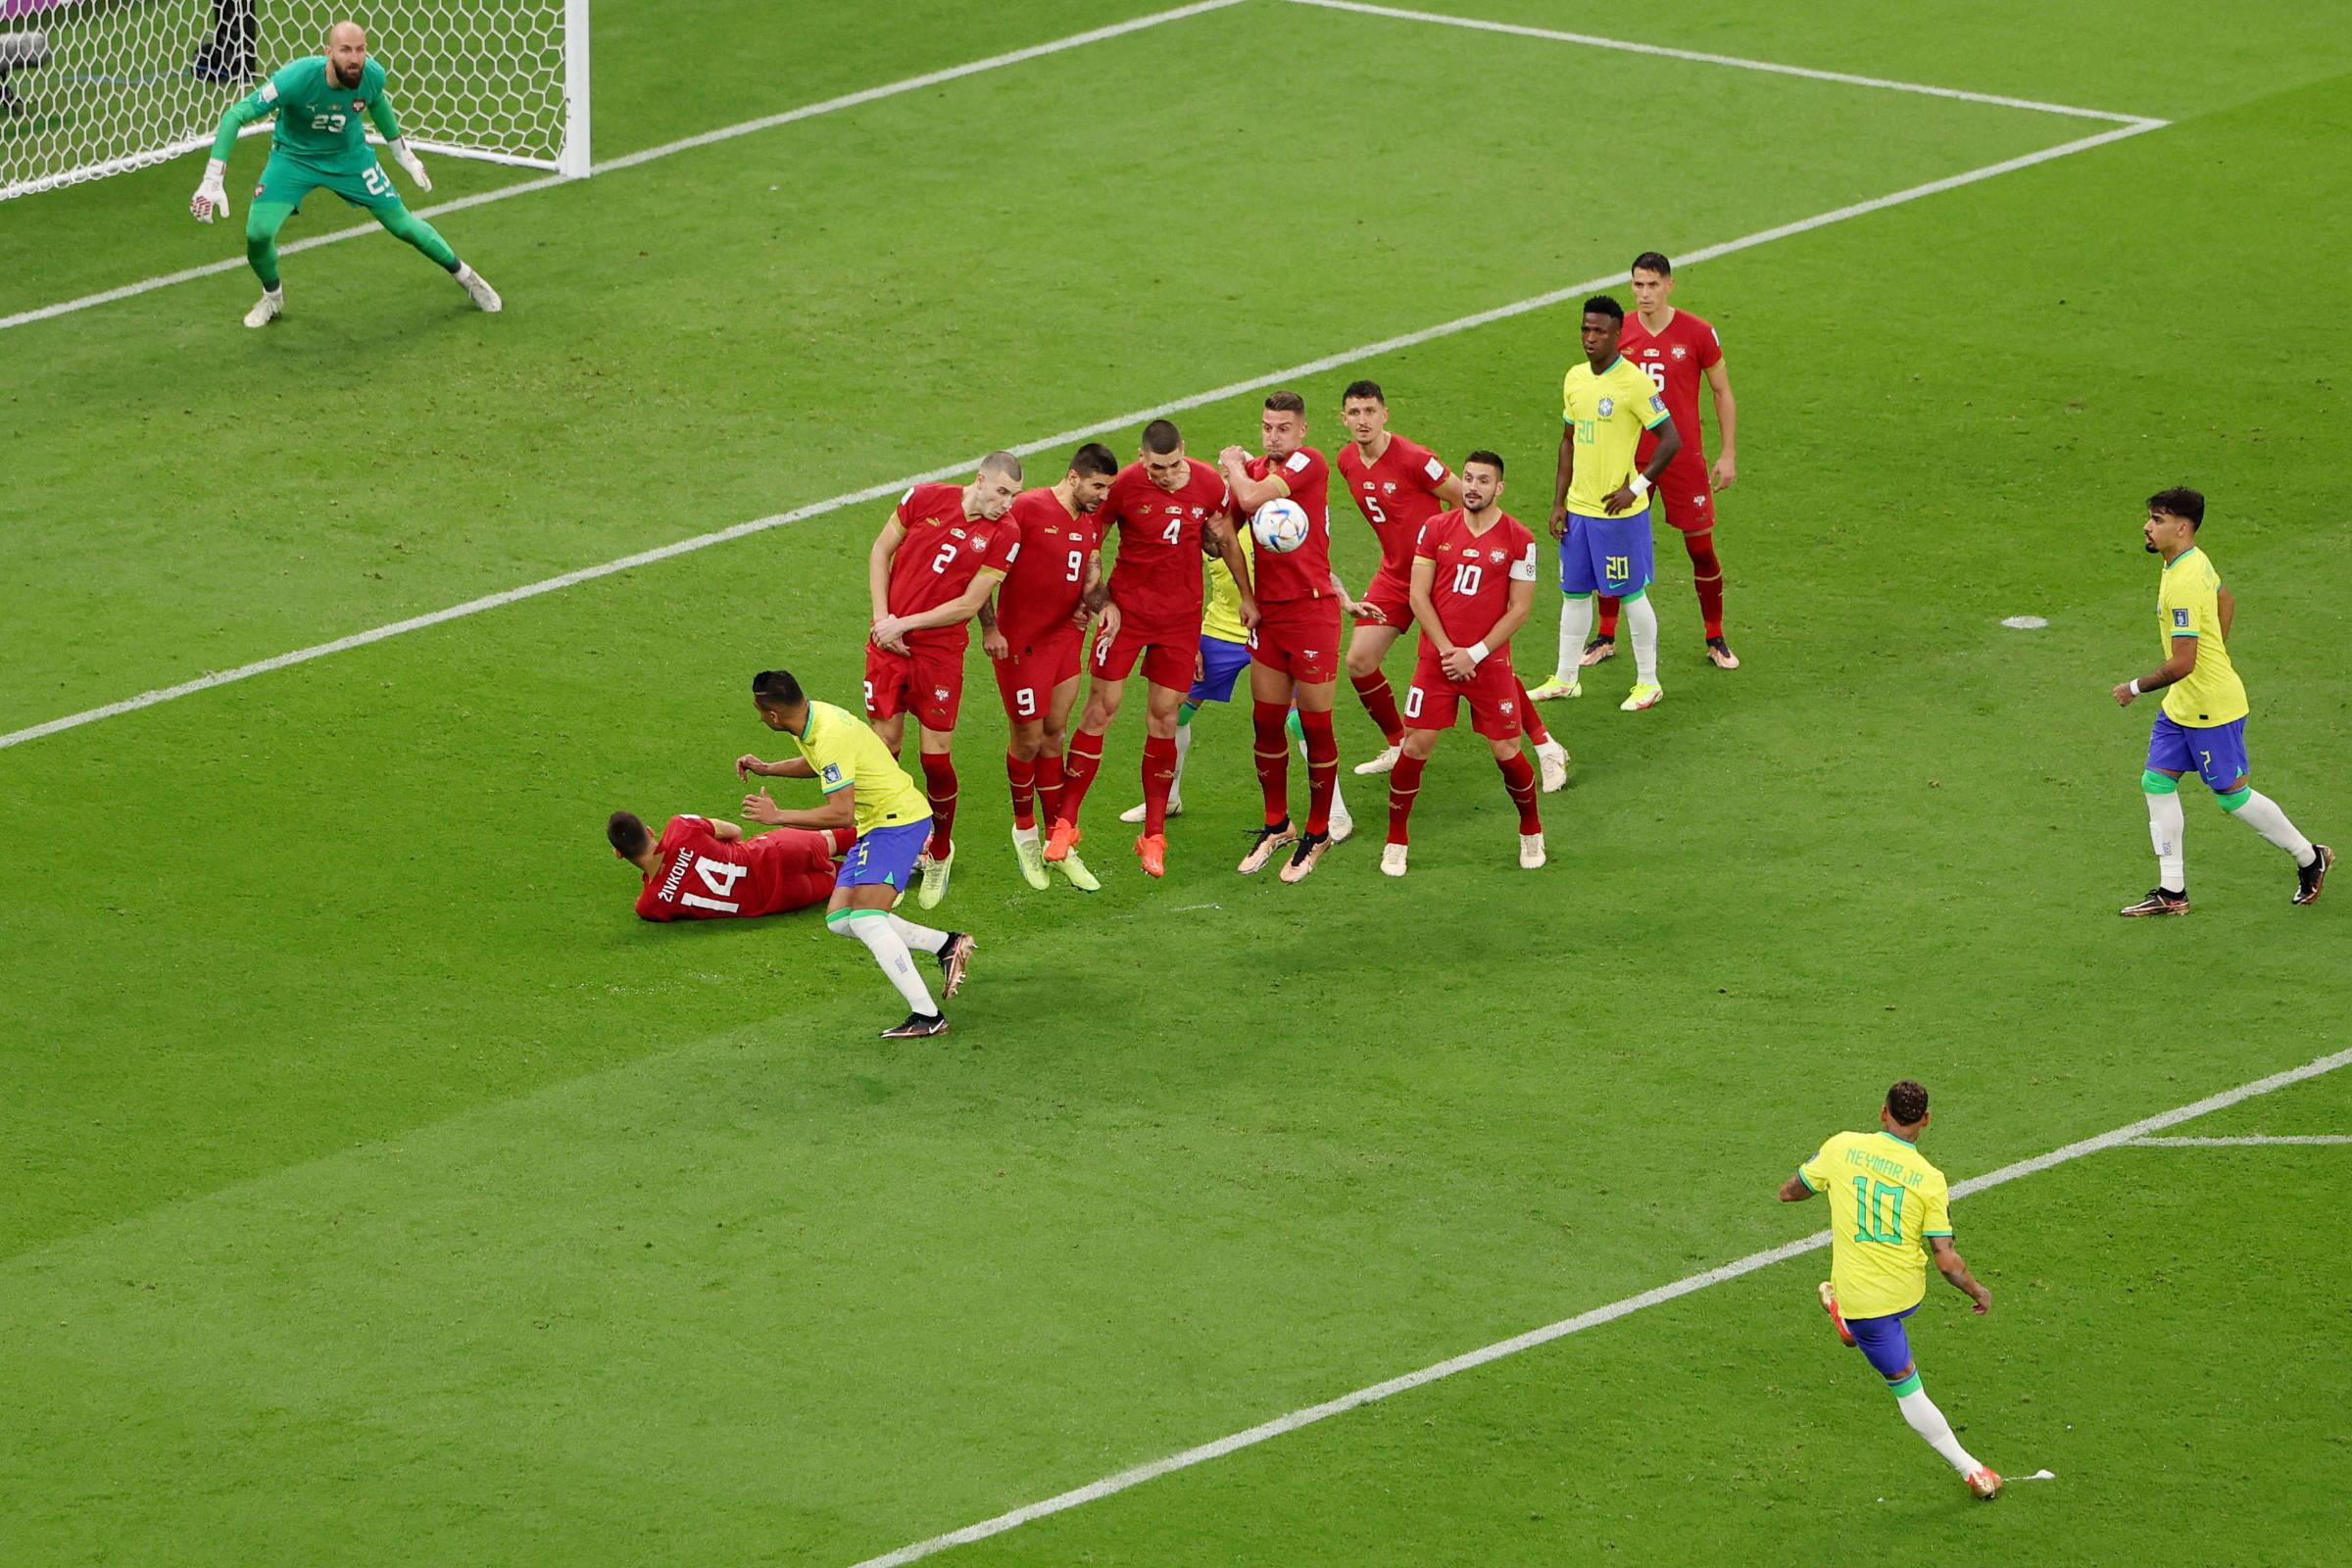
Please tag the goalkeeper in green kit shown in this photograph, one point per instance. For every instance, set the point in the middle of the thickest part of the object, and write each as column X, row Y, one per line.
column 319, row 141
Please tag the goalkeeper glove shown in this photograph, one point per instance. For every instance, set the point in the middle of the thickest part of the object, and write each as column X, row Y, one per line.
column 410, row 162
column 211, row 201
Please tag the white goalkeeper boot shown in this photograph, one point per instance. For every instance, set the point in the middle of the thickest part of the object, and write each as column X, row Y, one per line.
column 479, row 287
column 269, row 308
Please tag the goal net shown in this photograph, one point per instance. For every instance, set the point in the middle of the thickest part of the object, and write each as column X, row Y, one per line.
column 93, row 87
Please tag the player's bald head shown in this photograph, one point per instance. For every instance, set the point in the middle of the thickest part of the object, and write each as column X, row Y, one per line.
column 346, row 31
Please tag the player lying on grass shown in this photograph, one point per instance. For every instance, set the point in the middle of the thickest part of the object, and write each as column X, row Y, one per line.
column 1035, row 638
column 1473, row 583
column 2203, row 724
column 702, row 869
column 1599, row 510
column 1888, row 1206
column 318, row 140
column 938, row 556
column 1399, row 485
column 864, row 790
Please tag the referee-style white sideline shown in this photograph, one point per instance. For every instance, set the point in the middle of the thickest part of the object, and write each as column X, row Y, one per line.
column 1112, row 1484
column 2248, row 1141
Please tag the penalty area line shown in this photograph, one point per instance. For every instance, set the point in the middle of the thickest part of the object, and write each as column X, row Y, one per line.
column 1125, row 1479
column 852, row 100
column 1060, row 438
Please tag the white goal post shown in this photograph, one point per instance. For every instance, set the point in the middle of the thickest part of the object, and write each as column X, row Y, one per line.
column 96, row 88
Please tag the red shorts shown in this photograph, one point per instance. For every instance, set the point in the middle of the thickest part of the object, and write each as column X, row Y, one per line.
column 1300, row 637
column 1433, row 701
column 1026, row 681
column 1167, row 656
column 1686, row 497
column 927, row 681
column 1392, row 596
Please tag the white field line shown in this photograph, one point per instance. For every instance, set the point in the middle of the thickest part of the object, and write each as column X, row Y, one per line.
column 631, row 159
column 1139, row 417
column 1600, row 1315
column 1735, row 62
column 2249, row 1140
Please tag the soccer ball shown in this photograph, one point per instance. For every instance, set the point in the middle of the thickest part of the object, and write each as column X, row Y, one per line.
column 1280, row 525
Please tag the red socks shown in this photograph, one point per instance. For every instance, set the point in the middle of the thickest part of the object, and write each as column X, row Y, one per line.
column 1380, row 704
column 1405, row 786
column 939, row 782
column 1273, row 755
column 1021, row 771
column 1049, row 783
column 841, row 839
column 1530, row 722
column 1077, row 774
column 1322, row 768
column 1708, row 576
column 1609, row 617
column 1519, row 777
column 1159, row 774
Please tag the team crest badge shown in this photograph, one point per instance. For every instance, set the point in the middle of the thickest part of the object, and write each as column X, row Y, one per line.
column 1608, row 406
column 1389, row 489
column 1495, row 554
column 358, row 103
column 1681, row 353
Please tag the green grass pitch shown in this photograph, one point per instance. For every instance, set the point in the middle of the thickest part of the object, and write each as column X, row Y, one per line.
column 378, row 1189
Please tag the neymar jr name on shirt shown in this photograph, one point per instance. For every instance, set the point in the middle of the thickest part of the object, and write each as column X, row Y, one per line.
column 1879, row 1165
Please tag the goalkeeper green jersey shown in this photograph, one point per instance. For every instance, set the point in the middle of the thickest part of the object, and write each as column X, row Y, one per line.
column 317, row 122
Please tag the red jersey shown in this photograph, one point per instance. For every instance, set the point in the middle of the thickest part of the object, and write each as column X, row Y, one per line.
column 702, row 879
column 1304, row 572
column 1041, row 592
column 1676, row 360
column 1472, row 587
column 1396, row 495
column 1157, row 581
column 942, row 550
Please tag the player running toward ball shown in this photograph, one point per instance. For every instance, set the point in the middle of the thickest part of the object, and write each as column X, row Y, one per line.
column 1400, row 486
column 1887, row 1209
column 2203, row 724
column 1473, row 584
column 1598, row 510
column 1035, row 638
column 937, row 559
column 319, row 141
column 1676, row 350
column 1167, row 509
column 1296, row 655
column 866, row 790
column 703, row 868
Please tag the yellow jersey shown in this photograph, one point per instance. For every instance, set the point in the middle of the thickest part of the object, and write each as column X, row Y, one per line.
column 2188, row 604
column 1608, row 412
column 845, row 752
column 1222, row 618
column 1884, row 1205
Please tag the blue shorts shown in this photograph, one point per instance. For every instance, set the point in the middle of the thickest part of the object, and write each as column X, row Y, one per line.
column 1883, row 1343
column 1221, row 662
column 885, row 856
column 2216, row 754
column 1607, row 555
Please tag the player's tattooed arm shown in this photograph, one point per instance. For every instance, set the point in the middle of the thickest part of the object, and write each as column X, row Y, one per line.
column 1795, row 1190
column 1727, row 425
column 1091, row 597
column 1949, row 1263
column 2175, row 668
column 994, row 643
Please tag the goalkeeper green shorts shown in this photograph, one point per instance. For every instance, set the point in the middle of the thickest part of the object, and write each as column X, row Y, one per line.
column 289, row 180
